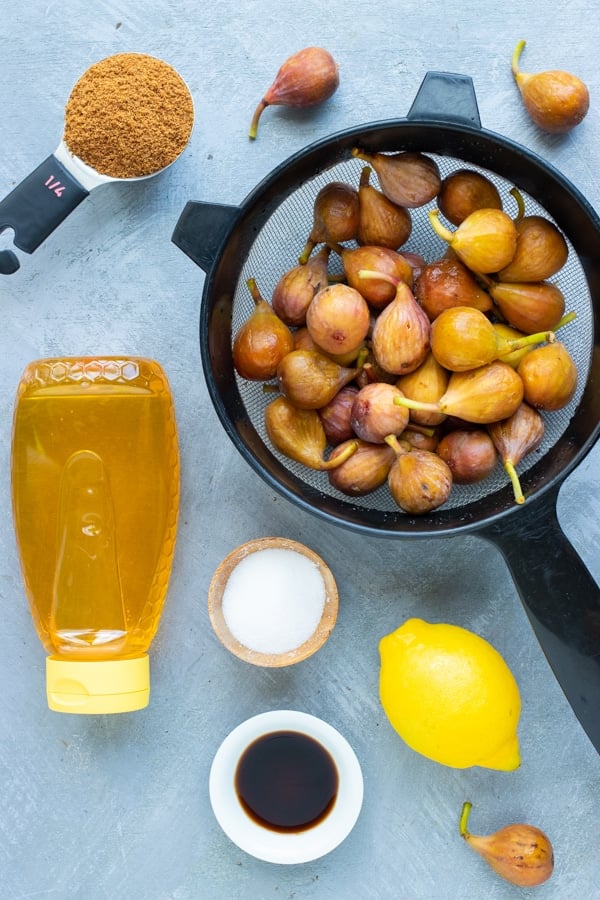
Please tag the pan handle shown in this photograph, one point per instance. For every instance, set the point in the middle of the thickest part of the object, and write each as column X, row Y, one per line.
column 201, row 230
column 561, row 599
column 446, row 97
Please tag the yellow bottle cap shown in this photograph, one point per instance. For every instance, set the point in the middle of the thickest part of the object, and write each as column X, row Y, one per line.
column 98, row 686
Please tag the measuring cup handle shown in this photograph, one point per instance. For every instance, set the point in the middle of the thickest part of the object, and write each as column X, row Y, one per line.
column 36, row 207
column 201, row 230
column 446, row 97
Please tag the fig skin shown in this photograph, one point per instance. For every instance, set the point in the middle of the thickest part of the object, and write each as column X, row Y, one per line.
column 400, row 338
column 555, row 100
column 469, row 453
column 382, row 223
column 336, row 215
column 407, row 179
column 419, row 480
column 299, row 435
column 514, row 438
column 305, row 79
column 365, row 470
column 336, row 415
column 464, row 191
column 448, row 282
column 485, row 241
column 296, row 288
column 528, row 306
column 549, row 377
column 377, row 292
column 338, row 319
column 540, row 253
column 429, row 382
column 261, row 342
column 375, row 415
column 309, row 380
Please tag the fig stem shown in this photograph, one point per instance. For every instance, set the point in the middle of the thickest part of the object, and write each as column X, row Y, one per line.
column 253, row 288
column 514, row 63
column 518, row 196
column 539, row 338
column 440, row 230
column 257, row 114
column 568, row 317
column 365, row 176
column 371, row 274
column 512, row 474
column 398, row 446
column 308, row 249
column 416, row 404
column 464, row 818
column 420, row 429
column 344, row 454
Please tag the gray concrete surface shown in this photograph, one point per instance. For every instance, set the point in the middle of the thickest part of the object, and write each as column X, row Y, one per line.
column 116, row 808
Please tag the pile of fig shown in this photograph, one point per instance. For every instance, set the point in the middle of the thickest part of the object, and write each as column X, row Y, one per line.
column 401, row 371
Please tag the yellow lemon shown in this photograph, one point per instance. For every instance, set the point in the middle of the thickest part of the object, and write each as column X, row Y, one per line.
column 450, row 695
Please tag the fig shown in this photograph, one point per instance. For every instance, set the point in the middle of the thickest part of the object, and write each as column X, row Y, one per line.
column 464, row 191
column 555, row 100
column 336, row 216
column 469, row 453
column 514, row 438
column 338, row 319
column 530, row 307
column 447, row 282
column 299, row 435
column 463, row 338
column 419, row 480
column 364, row 470
column 425, row 439
column 549, row 377
column 485, row 241
column 296, row 288
column 375, row 415
column 377, row 292
column 505, row 335
column 304, row 341
column 400, row 338
column 407, row 179
column 382, row 223
column 540, row 253
column 428, row 382
column 305, row 79
column 480, row 396
column 336, row 415
column 262, row 341
column 309, row 379
column 521, row 854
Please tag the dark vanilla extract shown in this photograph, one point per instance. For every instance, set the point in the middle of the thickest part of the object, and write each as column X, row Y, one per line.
column 286, row 781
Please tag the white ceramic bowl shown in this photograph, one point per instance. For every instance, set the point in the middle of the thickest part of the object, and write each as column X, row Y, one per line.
column 259, row 841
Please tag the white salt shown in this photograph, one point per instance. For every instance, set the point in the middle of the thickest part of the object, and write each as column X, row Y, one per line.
column 274, row 600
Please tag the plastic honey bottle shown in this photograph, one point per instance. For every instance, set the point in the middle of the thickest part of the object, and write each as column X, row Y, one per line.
column 95, row 493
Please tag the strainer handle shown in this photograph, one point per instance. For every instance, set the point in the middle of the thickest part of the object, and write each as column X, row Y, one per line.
column 446, row 97
column 201, row 230
column 561, row 599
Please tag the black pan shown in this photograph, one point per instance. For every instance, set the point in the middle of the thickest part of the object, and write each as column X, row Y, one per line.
column 263, row 238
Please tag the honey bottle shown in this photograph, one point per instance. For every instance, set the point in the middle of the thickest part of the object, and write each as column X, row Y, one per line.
column 95, row 495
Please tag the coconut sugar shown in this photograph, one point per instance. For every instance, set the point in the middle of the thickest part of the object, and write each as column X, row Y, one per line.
column 273, row 600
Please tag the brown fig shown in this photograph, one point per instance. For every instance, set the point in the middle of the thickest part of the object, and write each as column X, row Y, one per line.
column 514, row 438
column 338, row 319
column 377, row 292
column 530, row 307
column 470, row 454
column 299, row 435
column 425, row 439
column 549, row 377
column 464, row 191
column 427, row 383
column 541, row 251
column 463, row 338
column 407, row 179
column 447, row 282
column 261, row 342
column 521, row 854
column 419, row 480
column 306, row 78
column 555, row 100
column 296, row 288
column 375, row 415
column 382, row 223
column 485, row 241
column 400, row 338
column 304, row 341
column 337, row 414
column 336, row 216
column 309, row 379
column 416, row 261
column 480, row 396
column 364, row 471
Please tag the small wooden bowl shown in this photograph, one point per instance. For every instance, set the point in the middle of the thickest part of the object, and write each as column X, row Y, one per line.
column 271, row 660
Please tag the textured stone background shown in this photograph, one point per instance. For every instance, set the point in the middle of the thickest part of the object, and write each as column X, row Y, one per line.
column 117, row 807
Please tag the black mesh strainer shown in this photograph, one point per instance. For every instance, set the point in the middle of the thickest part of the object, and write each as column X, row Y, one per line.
column 263, row 238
